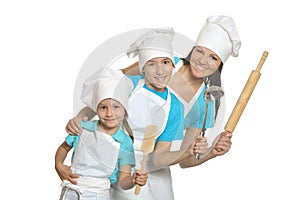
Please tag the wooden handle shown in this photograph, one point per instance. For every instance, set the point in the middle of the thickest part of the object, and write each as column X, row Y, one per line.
column 245, row 96
column 138, row 187
column 137, row 190
column 262, row 61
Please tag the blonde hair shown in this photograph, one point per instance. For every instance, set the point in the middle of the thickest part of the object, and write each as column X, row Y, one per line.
column 126, row 126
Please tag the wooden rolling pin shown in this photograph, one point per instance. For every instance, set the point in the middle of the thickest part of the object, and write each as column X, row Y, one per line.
column 245, row 95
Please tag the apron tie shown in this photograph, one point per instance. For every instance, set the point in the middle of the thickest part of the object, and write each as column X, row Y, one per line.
column 91, row 184
column 66, row 185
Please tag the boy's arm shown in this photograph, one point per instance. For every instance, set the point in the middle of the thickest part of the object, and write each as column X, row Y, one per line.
column 73, row 126
column 164, row 157
column 191, row 144
column 62, row 170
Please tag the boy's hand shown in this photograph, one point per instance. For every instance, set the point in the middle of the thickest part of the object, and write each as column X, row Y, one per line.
column 73, row 127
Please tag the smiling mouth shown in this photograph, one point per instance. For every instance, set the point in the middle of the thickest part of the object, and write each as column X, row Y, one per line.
column 109, row 120
column 201, row 67
column 161, row 79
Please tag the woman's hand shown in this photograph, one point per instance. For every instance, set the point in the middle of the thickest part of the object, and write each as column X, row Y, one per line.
column 222, row 144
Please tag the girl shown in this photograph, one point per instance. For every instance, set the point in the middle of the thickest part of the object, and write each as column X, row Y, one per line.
column 104, row 155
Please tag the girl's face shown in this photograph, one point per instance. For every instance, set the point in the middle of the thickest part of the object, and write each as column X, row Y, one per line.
column 204, row 62
column 111, row 113
column 157, row 73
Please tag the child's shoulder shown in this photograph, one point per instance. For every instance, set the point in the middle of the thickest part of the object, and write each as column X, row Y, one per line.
column 124, row 139
column 89, row 125
column 175, row 100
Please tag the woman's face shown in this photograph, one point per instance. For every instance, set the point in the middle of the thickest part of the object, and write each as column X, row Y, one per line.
column 204, row 62
column 111, row 113
column 157, row 73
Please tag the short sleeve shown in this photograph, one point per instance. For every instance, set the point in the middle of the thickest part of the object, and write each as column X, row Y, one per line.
column 89, row 125
column 195, row 117
column 126, row 154
column 135, row 79
column 72, row 140
column 175, row 123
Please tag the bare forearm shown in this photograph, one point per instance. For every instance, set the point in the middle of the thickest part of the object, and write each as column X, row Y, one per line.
column 86, row 112
column 127, row 183
column 61, row 153
column 173, row 158
column 164, row 157
column 132, row 69
column 191, row 161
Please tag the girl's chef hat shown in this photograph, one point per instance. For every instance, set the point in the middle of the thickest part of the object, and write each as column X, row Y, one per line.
column 111, row 84
column 155, row 43
column 219, row 34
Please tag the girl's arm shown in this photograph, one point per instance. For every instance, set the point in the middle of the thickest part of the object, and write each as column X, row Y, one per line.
column 127, row 181
column 62, row 170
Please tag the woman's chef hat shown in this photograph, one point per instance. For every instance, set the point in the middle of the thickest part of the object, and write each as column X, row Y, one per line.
column 219, row 34
column 153, row 44
column 111, row 84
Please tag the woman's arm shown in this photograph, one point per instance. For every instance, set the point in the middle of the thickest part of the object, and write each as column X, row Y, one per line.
column 62, row 170
column 132, row 69
column 221, row 146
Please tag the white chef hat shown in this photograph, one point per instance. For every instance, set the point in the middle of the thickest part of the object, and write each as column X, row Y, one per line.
column 219, row 34
column 111, row 84
column 155, row 43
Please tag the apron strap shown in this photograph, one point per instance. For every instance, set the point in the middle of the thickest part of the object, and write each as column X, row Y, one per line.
column 91, row 184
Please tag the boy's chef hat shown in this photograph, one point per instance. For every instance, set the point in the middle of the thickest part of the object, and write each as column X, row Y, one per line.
column 111, row 84
column 219, row 34
column 155, row 43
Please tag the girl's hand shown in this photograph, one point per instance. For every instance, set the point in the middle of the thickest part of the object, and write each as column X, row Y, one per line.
column 140, row 177
column 65, row 173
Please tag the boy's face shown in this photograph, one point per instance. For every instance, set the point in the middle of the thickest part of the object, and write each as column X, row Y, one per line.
column 157, row 73
column 111, row 113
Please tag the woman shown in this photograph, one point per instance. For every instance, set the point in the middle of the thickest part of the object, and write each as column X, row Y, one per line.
column 201, row 71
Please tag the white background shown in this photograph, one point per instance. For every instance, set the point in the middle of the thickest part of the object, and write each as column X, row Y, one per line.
column 43, row 45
